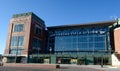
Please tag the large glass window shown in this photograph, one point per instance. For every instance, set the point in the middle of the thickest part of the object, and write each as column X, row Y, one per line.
column 16, row 46
column 81, row 39
column 17, row 51
column 17, row 40
column 12, row 51
column 20, row 40
column 14, row 41
column 18, row 27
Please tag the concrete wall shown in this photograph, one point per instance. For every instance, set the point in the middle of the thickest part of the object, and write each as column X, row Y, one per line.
column 115, row 60
column 117, row 39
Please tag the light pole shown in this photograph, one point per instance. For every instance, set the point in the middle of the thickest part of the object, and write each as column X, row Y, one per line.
column 63, row 50
column 102, row 61
column 93, row 44
column 77, row 53
column 77, row 50
column 38, row 49
column 50, row 50
column 16, row 50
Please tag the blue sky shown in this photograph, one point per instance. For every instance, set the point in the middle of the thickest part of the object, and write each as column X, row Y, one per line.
column 57, row 12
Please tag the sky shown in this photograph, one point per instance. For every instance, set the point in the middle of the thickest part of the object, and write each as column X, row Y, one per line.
column 57, row 12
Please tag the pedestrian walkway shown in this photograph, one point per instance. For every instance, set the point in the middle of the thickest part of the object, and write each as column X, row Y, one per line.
column 105, row 67
column 63, row 67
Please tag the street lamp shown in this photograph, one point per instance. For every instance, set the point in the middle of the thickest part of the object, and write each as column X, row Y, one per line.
column 38, row 49
column 77, row 54
column 102, row 61
column 63, row 50
column 50, row 50
column 77, row 50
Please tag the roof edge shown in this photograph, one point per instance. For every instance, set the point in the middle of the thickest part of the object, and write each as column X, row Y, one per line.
column 85, row 24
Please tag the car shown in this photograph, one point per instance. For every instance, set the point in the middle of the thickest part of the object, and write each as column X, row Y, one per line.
column 1, row 63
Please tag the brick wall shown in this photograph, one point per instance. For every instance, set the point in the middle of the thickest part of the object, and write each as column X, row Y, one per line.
column 28, row 33
column 27, row 22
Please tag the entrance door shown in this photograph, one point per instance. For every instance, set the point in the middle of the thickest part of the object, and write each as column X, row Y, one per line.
column 23, row 60
column 40, row 60
column 65, row 61
column 81, row 61
column 97, row 60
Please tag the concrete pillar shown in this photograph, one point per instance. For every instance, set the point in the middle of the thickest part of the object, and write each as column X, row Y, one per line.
column 53, row 59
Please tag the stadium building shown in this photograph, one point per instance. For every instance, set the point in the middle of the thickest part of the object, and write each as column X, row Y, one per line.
column 91, row 43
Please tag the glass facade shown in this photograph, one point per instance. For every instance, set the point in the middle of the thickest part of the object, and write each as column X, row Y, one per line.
column 18, row 27
column 16, row 45
column 80, row 40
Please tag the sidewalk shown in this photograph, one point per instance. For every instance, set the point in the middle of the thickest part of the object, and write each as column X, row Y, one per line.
column 105, row 67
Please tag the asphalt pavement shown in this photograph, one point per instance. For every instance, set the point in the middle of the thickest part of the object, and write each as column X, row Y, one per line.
column 64, row 68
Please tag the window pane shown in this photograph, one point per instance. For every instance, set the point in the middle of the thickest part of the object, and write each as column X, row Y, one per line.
column 18, row 27
column 87, row 39
column 17, row 41
column 14, row 41
column 21, row 40
column 16, row 51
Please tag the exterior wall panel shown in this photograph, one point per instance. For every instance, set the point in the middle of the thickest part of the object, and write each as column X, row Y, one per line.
column 117, row 39
column 8, row 39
